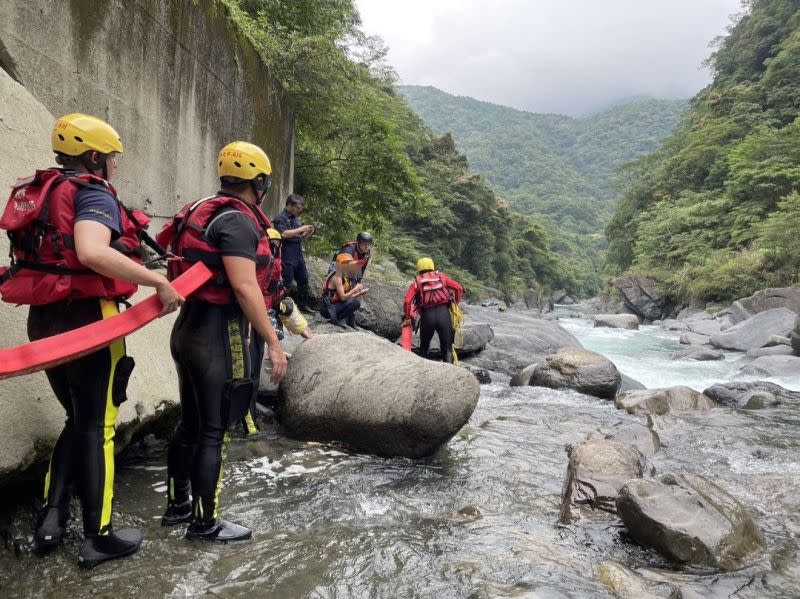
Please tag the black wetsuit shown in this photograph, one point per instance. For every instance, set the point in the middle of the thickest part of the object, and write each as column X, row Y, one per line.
column 90, row 389
column 437, row 320
column 218, row 359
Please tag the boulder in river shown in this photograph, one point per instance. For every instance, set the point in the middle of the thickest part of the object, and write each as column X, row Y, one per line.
column 767, row 299
column 704, row 327
column 474, row 337
column 523, row 377
column 597, row 469
column 795, row 337
column 519, row 340
column 370, row 394
column 699, row 354
column 689, row 520
column 579, row 369
column 774, row 350
column 778, row 366
column 642, row 297
column 776, row 340
column 755, row 331
column 629, row 384
column 693, row 339
column 636, row 434
column 624, row 583
column 662, row 401
column 617, row 321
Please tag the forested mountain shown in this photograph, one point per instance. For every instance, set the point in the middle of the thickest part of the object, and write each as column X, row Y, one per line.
column 715, row 212
column 365, row 160
column 546, row 163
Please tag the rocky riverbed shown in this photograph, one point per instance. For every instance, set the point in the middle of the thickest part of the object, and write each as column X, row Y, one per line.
column 482, row 517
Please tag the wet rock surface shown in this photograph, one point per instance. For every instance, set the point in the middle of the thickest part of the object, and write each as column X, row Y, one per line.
column 663, row 401
column 637, row 435
column 767, row 299
column 617, row 321
column 740, row 394
column 579, row 369
column 756, row 331
column 689, row 520
column 699, row 354
column 783, row 366
column 373, row 396
column 597, row 470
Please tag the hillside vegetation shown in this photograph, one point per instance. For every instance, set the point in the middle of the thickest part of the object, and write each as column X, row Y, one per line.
column 556, row 167
column 365, row 160
column 715, row 212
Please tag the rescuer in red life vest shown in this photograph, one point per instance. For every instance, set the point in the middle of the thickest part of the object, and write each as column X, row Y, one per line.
column 218, row 339
column 74, row 260
column 429, row 297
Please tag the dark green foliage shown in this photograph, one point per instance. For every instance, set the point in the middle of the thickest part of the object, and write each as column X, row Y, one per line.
column 711, row 212
column 365, row 160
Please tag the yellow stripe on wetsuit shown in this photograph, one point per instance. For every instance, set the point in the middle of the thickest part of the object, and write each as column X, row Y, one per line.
column 117, row 350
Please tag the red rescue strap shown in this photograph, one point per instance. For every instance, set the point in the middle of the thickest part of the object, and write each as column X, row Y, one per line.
column 58, row 349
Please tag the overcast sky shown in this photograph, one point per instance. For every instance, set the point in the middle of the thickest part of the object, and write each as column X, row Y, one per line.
column 565, row 56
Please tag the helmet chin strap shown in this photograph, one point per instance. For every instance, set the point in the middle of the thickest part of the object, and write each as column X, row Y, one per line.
column 101, row 164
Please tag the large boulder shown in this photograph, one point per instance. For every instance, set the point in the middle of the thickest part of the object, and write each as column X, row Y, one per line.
column 617, row 321
column 519, row 340
column 579, row 369
column 624, row 583
column 768, row 299
column 773, row 366
column 474, row 337
column 689, row 520
column 642, row 297
column 382, row 308
column 774, row 350
column 795, row 337
column 629, row 384
column 704, row 326
column 523, row 377
column 693, row 339
column 373, row 396
column 755, row 331
column 662, row 401
column 597, row 470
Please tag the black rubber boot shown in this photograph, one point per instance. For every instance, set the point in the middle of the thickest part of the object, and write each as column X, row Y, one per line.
column 177, row 513
column 97, row 549
column 218, row 530
column 50, row 529
column 351, row 321
column 303, row 297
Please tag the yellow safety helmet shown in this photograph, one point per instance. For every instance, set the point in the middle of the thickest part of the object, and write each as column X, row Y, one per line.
column 74, row 134
column 425, row 264
column 274, row 234
column 244, row 161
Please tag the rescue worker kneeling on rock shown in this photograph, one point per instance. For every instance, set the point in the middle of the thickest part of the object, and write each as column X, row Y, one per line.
column 339, row 296
column 74, row 249
column 429, row 297
column 218, row 339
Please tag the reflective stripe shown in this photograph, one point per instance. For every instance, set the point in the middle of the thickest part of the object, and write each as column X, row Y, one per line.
column 225, row 441
column 109, row 308
column 250, row 423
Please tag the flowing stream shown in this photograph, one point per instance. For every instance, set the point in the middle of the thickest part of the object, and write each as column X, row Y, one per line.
column 479, row 519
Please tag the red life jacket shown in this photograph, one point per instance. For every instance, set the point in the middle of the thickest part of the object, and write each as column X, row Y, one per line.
column 432, row 290
column 361, row 260
column 40, row 220
column 331, row 294
column 185, row 237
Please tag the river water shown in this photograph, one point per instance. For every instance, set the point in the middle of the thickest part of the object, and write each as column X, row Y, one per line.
column 479, row 519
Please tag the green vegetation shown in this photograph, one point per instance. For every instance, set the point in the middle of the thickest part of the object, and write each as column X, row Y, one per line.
column 553, row 166
column 365, row 160
column 715, row 212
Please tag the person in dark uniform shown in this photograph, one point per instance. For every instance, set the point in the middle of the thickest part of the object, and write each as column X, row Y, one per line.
column 218, row 339
column 429, row 297
column 79, row 272
column 293, row 232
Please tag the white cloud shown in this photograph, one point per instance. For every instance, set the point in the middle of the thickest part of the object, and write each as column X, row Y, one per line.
column 568, row 56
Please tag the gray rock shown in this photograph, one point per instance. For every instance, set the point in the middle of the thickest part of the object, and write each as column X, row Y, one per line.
column 597, row 470
column 699, row 354
column 775, row 350
column 373, row 396
column 670, row 324
column 755, row 331
column 642, row 297
column 736, row 394
column 579, row 369
column 474, row 337
column 689, row 520
column 795, row 337
column 778, row 340
column 523, row 377
column 629, row 384
column 624, row 583
column 617, row 321
column 704, row 327
column 780, row 366
column 758, row 400
column 518, row 340
column 662, row 401
column 768, row 299
column 693, row 339
column 637, row 435
column 481, row 374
